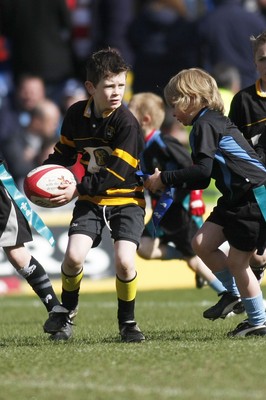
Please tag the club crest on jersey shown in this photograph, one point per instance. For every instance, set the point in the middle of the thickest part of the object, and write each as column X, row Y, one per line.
column 101, row 157
column 109, row 132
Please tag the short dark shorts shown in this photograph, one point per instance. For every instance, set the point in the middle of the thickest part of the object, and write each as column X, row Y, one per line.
column 14, row 228
column 126, row 222
column 243, row 226
column 177, row 227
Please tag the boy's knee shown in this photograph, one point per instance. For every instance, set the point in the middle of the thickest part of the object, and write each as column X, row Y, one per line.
column 144, row 252
column 146, row 248
column 72, row 263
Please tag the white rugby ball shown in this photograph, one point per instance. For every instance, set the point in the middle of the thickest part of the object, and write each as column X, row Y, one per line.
column 42, row 182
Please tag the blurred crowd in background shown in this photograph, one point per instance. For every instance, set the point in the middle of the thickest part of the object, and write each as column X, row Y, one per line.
column 44, row 45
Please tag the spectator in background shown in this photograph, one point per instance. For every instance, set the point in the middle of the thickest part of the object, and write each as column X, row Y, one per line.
column 163, row 42
column 224, row 36
column 40, row 36
column 73, row 91
column 15, row 111
column 228, row 81
column 110, row 22
column 81, row 20
column 30, row 91
column 261, row 4
column 197, row 8
column 6, row 81
column 21, row 150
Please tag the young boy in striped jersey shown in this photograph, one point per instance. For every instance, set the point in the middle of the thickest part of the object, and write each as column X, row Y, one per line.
column 108, row 140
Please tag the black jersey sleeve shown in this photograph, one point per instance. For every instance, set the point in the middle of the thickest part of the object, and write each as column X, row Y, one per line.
column 194, row 177
column 204, row 141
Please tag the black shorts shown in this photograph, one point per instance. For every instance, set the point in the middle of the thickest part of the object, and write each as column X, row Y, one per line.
column 125, row 222
column 243, row 226
column 14, row 228
column 177, row 227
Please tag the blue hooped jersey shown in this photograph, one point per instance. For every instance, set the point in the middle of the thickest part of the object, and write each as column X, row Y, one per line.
column 236, row 166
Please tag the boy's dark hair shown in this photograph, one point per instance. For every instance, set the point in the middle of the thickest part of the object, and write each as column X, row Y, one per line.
column 103, row 63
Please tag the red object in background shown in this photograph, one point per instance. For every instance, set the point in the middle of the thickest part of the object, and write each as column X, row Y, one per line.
column 71, row 4
column 10, row 285
column 78, row 169
column 196, row 204
column 4, row 53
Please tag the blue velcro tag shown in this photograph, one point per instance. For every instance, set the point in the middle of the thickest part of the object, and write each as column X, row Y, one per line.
column 163, row 203
column 141, row 176
column 162, row 206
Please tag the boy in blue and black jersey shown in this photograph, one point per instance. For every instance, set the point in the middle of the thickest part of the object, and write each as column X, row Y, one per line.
column 220, row 151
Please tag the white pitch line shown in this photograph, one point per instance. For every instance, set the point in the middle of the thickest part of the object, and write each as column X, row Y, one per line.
column 161, row 393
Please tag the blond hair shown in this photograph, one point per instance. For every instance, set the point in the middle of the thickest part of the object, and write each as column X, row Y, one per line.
column 195, row 85
column 149, row 103
column 257, row 41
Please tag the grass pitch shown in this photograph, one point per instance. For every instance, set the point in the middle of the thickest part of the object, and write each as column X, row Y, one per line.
column 184, row 356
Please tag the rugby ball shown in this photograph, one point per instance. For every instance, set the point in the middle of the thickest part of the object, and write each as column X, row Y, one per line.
column 42, row 182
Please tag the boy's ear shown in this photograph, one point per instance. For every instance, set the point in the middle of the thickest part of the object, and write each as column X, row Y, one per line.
column 146, row 119
column 90, row 87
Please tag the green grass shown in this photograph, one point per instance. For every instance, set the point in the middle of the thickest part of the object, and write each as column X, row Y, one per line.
column 211, row 194
column 184, row 356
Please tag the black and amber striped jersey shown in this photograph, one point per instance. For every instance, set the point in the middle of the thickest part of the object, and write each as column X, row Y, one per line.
column 248, row 112
column 109, row 149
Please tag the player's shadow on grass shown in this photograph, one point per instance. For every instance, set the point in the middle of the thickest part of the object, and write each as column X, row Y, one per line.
column 157, row 335
column 178, row 335
column 168, row 335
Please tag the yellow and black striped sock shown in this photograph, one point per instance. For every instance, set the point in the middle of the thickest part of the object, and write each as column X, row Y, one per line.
column 126, row 294
column 70, row 289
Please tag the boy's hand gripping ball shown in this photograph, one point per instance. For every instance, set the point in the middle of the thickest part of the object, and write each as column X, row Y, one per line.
column 43, row 182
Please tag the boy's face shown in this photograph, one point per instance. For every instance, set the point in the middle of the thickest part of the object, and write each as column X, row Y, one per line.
column 260, row 61
column 108, row 93
column 185, row 117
